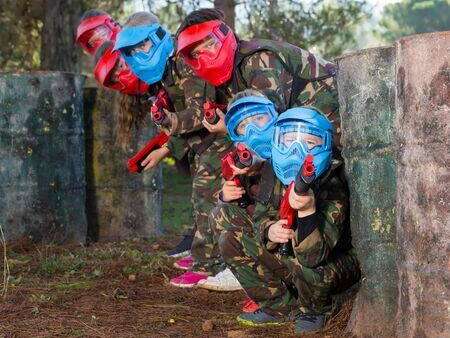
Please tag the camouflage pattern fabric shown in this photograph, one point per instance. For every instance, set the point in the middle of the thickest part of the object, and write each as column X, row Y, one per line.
column 188, row 93
column 323, row 263
column 207, row 183
column 276, row 67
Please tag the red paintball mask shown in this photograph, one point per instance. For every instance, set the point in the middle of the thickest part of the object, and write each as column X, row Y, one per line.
column 209, row 48
column 94, row 31
column 111, row 71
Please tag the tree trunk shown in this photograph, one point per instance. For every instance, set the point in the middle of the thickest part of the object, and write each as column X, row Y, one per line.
column 58, row 51
column 227, row 6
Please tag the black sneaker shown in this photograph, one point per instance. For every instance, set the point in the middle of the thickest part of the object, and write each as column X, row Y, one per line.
column 309, row 323
column 183, row 248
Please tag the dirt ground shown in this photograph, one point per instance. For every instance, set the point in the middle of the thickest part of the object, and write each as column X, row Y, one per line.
column 118, row 290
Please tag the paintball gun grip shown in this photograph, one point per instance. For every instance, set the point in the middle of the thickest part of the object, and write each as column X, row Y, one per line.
column 228, row 174
column 286, row 212
column 134, row 163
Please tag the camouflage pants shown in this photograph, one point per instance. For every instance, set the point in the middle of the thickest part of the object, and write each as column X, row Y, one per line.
column 219, row 220
column 206, row 185
column 281, row 285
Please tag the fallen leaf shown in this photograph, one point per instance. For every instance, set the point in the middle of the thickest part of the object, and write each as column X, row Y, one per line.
column 132, row 277
column 207, row 325
column 237, row 334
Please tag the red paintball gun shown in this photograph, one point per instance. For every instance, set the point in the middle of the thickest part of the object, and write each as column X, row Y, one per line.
column 301, row 185
column 158, row 115
column 241, row 158
column 160, row 103
column 135, row 163
column 209, row 111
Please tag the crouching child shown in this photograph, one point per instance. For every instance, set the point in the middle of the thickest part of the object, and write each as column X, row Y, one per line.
column 297, row 285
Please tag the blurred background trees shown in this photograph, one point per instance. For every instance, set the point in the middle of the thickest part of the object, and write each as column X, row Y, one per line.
column 39, row 34
column 411, row 16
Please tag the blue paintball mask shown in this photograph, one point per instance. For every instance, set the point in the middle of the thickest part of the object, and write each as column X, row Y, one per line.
column 298, row 132
column 250, row 121
column 148, row 66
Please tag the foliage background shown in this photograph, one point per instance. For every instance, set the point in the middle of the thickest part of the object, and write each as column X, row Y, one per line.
column 30, row 29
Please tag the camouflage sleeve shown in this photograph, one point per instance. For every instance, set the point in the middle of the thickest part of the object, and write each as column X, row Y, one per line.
column 264, row 71
column 266, row 214
column 195, row 91
column 264, row 217
column 178, row 147
column 267, row 72
column 331, row 211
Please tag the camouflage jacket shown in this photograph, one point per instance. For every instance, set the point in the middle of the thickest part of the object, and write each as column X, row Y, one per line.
column 187, row 93
column 288, row 75
column 332, row 234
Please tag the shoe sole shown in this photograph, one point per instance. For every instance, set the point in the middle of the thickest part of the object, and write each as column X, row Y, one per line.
column 216, row 288
column 180, row 254
column 182, row 267
column 249, row 323
column 184, row 286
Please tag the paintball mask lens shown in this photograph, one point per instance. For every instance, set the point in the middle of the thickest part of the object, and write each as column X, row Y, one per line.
column 257, row 120
column 288, row 134
column 117, row 70
column 143, row 46
column 98, row 36
column 206, row 50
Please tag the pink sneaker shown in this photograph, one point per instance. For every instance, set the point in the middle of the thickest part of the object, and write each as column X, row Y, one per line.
column 184, row 263
column 188, row 279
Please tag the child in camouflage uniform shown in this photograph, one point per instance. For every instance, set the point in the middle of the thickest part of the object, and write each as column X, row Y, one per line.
column 148, row 50
column 323, row 262
column 289, row 76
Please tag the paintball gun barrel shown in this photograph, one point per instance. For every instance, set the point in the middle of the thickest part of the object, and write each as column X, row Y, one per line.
column 135, row 163
column 301, row 185
column 209, row 111
column 160, row 103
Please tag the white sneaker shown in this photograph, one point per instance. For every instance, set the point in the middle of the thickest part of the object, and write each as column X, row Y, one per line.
column 223, row 281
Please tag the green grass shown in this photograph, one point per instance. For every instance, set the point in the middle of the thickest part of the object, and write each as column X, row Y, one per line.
column 177, row 207
column 56, row 265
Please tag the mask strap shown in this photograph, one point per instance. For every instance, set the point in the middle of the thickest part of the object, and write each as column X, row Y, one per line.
column 160, row 33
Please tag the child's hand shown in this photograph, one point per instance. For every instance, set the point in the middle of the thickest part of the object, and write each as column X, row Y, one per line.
column 218, row 128
column 278, row 234
column 238, row 171
column 155, row 157
column 305, row 204
column 231, row 192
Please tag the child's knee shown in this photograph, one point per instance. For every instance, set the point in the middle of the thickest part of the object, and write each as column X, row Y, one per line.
column 229, row 245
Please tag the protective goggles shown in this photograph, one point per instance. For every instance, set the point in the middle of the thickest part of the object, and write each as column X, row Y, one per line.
column 94, row 31
column 309, row 137
column 249, row 115
column 111, row 71
column 203, row 40
column 132, row 39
